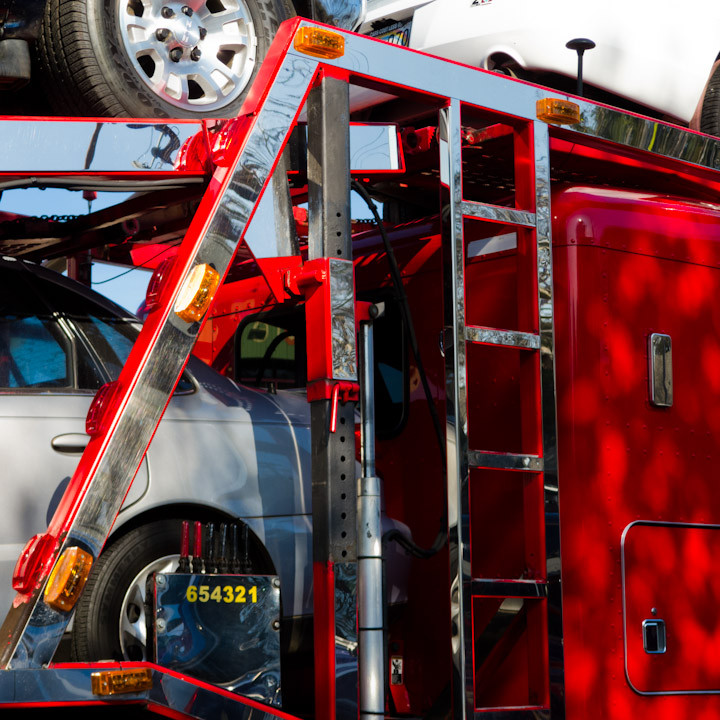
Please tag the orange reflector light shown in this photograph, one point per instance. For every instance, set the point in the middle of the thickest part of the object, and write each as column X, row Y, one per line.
column 68, row 578
column 197, row 293
column 114, row 682
column 554, row 110
column 319, row 42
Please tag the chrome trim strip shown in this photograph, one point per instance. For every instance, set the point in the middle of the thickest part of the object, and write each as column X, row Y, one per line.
column 56, row 687
column 623, row 537
column 505, row 461
column 506, row 338
column 496, row 213
column 646, row 134
column 444, row 79
column 342, row 300
column 543, row 237
column 88, row 146
column 505, row 588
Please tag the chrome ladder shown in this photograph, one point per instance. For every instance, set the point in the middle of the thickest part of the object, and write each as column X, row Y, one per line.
column 499, row 607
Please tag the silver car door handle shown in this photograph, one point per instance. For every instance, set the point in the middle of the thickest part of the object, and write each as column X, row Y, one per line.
column 71, row 443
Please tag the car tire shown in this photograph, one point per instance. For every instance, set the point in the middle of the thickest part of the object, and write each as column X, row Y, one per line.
column 710, row 114
column 135, row 58
column 110, row 619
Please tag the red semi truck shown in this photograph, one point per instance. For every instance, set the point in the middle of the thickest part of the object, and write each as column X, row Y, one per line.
column 538, row 401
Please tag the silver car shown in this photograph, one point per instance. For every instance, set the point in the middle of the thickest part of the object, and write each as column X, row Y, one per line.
column 222, row 452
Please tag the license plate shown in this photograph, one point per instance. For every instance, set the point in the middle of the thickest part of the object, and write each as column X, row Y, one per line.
column 397, row 34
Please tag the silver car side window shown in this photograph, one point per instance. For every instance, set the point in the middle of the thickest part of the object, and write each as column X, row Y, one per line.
column 34, row 353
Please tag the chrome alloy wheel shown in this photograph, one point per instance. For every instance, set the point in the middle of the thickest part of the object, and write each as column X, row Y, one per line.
column 133, row 621
column 197, row 55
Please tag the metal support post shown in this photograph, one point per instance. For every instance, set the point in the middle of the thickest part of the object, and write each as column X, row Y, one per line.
column 456, row 410
column 79, row 267
column 332, row 372
column 287, row 241
column 370, row 589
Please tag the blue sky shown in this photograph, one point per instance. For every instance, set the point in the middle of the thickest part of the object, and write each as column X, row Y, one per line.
column 125, row 288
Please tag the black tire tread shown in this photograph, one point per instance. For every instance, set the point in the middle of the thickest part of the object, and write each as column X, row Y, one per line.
column 73, row 79
column 94, row 635
column 73, row 76
column 710, row 115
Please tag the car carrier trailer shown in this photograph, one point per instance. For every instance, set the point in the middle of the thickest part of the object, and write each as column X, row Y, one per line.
column 574, row 258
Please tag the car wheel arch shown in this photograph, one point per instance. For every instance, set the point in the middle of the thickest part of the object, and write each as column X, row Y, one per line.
column 499, row 57
column 127, row 522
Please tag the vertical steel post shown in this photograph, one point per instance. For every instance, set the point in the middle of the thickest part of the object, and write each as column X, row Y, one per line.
column 458, row 473
column 370, row 598
column 333, row 452
column 287, row 240
column 546, row 313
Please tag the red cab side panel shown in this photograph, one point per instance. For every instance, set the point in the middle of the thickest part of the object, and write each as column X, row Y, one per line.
column 639, row 506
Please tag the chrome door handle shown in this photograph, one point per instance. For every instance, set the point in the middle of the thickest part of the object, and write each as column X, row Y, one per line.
column 654, row 636
column 70, row 443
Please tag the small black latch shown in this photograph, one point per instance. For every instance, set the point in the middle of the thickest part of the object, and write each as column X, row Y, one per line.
column 654, row 640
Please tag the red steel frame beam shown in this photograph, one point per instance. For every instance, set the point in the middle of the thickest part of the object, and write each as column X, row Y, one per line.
column 244, row 163
column 243, row 166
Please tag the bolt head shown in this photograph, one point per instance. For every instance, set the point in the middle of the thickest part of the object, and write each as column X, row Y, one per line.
column 203, row 33
column 176, row 54
column 160, row 580
column 195, row 54
column 167, row 12
column 160, row 625
column 162, row 34
column 276, row 624
column 276, row 582
column 187, row 11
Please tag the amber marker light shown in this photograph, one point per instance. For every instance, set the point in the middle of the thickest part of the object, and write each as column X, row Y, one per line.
column 319, row 42
column 197, row 293
column 116, row 682
column 68, row 578
column 561, row 112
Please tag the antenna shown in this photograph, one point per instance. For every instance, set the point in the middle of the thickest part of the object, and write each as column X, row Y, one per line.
column 580, row 45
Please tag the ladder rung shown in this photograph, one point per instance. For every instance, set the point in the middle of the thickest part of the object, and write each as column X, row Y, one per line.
column 507, row 338
column 510, row 588
column 506, row 215
column 504, row 461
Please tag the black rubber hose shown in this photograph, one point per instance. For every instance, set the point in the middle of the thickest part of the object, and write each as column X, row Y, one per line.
column 441, row 539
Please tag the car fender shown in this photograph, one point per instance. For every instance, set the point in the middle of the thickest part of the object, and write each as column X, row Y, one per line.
column 629, row 60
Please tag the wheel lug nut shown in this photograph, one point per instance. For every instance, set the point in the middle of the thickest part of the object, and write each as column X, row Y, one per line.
column 162, row 34
column 167, row 12
column 195, row 54
column 203, row 33
column 187, row 11
column 176, row 54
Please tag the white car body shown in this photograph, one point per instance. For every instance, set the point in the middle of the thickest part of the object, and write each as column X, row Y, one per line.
column 651, row 52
